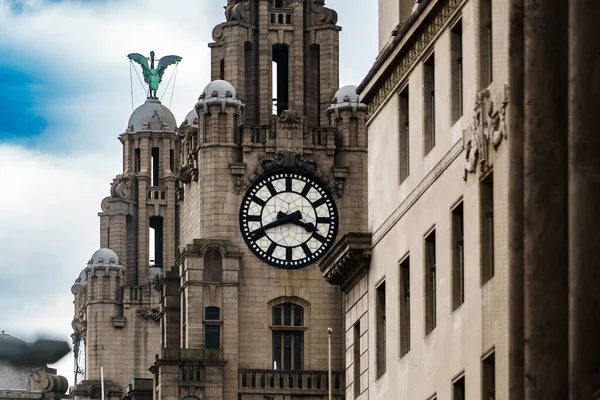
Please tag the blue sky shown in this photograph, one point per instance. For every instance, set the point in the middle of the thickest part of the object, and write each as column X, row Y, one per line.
column 64, row 99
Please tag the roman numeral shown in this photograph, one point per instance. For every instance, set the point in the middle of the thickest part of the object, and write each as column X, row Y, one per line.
column 253, row 218
column 323, row 220
column 307, row 251
column 258, row 201
column 319, row 237
column 288, row 253
column 271, row 189
column 271, row 248
column 288, row 184
column 319, row 202
column 305, row 190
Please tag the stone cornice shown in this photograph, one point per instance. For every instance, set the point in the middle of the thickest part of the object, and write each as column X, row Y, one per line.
column 348, row 260
column 409, row 46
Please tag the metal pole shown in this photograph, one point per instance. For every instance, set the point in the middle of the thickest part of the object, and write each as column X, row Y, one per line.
column 102, row 382
column 329, row 330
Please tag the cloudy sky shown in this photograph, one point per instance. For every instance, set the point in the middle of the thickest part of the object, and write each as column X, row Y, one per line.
column 65, row 96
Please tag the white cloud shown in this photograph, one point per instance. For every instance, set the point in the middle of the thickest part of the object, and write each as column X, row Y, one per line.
column 51, row 194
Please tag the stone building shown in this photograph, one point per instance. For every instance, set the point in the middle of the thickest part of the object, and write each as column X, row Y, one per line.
column 23, row 373
column 426, row 287
column 207, row 283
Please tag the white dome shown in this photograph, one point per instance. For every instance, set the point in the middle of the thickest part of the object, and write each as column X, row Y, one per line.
column 104, row 257
column 346, row 94
column 219, row 89
column 191, row 118
column 153, row 116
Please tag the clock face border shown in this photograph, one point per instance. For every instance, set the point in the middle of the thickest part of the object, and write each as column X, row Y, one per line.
column 315, row 183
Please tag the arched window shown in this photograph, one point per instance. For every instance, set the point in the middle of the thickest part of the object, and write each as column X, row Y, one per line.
column 212, row 328
column 288, row 331
column 213, row 266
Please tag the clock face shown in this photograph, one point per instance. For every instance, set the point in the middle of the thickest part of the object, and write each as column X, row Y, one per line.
column 288, row 219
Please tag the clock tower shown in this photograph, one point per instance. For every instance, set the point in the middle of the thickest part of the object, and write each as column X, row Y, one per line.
column 272, row 173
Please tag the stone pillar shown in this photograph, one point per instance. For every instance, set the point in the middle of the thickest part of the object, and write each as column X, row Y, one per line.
column 545, row 196
column 515, row 197
column 584, row 189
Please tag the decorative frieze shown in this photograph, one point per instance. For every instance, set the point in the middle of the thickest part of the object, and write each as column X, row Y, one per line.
column 412, row 52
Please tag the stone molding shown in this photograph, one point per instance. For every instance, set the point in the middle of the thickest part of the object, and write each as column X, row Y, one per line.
column 348, row 260
column 409, row 56
column 418, row 191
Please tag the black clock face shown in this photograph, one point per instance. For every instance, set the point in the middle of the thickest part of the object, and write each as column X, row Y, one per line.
column 288, row 219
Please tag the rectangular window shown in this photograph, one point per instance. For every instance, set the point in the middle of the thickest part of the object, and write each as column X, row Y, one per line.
column 137, row 166
column 430, row 283
column 458, row 389
column 356, row 353
column 485, row 43
column 172, row 160
column 429, row 103
column 380, row 329
column 155, row 167
column 456, row 71
column 212, row 336
column 488, row 375
column 486, row 198
column 276, row 350
column 458, row 257
column 403, row 137
column 404, row 306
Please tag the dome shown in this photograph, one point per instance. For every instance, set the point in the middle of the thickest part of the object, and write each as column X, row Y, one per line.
column 153, row 116
column 191, row 118
column 218, row 88
column 346, row 94
column 82, row 278
column 104, row 257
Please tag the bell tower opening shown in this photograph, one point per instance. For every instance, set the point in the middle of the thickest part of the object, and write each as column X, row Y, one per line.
column 312, row 85
column 155, row 244
column 280, row 78
column 155, row 167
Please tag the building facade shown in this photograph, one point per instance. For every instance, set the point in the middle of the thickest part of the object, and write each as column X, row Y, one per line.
column 207, row 285
column 426, row 288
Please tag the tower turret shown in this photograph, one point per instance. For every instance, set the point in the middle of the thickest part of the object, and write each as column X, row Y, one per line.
column 349, row 173
column 280, row 55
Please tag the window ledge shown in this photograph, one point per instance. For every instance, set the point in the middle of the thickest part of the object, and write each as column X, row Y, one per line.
column 291, row 328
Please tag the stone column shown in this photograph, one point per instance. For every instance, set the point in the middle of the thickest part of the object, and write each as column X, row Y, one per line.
column 515, row 198
column 545, row 196
column 584, row 189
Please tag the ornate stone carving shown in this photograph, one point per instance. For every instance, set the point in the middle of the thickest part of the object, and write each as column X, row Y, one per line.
column 488, row 126
column 290, row 116
column 188, row 173
column 121, row 186
column 240, row 182
column 236, row 10
column 339, row 180
column 411, row 53
column 498, row 125
column 323, row 14
column 348, row 260
column 147, row 313
column 50, row 383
